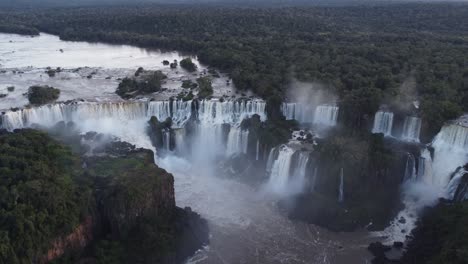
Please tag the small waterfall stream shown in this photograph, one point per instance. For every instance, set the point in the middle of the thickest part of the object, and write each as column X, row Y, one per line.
column 383, row 123
column 411, row 129
column 238, row 141
column 322, row 115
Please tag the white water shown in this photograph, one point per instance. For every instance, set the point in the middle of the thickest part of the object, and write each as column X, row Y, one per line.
column 326, row 115
column 238, row 141
column 411, row 129
column 433, row 178
column 450, row 151
column 280, row 170
column 230, row 112
column 383, row 123
column 23, row 62
column 410, row 169
column 322, row 115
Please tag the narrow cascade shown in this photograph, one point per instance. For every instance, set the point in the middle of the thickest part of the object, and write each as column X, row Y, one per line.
column 383, row 122
column 313, row 182
column 450, row 150
column 425, row 173
column 238, row 140
column 288, row 110
column 410, row 169
column 300, row 169
column 326, row 115
column 341, row 190
column 180, row 141
column 411, row 129
column 301, row 112
column 280, row 170
column 271, row 159
column 166, row 139
column 257, row 150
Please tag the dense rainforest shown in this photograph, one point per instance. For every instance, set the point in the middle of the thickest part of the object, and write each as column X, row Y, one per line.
column 59, row 206
column 367, row 55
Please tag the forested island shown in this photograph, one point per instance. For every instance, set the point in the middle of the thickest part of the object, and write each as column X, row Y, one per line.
column 396, row 61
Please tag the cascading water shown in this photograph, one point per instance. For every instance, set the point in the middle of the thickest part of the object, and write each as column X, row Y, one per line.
column 410, row 169
column 411, row 129
column 238, row 140
column 450, row 150
column 280, row 170
column 297, row 183
column 383, row 123
column 301, row 112
column 326, row 115
column 341, row 188
column 179, row 111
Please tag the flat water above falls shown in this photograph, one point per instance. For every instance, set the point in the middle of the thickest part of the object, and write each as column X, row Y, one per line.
column 245, row 226
column 24, row 59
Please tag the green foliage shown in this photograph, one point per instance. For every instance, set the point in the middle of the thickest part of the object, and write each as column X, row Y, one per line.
column 42, row 94
column 39, row 198
column 188, row 84
column 363, row 52
column 188, row 65
column 10, row 88
column 142, row 83
column 205, row 88
column 441, row 236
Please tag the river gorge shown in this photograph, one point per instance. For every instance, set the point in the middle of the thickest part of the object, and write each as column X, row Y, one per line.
column 208, row 136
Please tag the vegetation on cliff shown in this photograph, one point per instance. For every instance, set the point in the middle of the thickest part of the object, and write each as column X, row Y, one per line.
column 441, row 236
column 50, row 195
column 39, row 95
column 40, row 195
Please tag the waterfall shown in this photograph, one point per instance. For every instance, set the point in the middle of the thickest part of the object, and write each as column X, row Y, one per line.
column 271, row 159
column 237, row 141
column 383, row 122
column 326, row 115
column 229, row 112
column 410, row 169
column 288, row 110
column 180, row 141
column 450, row 150
column 411, row 129
column 280, row 170
column 314, row 180
column 257, row 150
column 425, row 173
column 166, row 139
column 299, row 175
column 180, row 111
column 455, row 190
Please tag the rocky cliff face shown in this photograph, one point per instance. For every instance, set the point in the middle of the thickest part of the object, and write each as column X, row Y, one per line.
column 76, row 241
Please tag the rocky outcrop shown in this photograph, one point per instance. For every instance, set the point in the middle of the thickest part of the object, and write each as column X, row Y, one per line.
column 76, row 241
